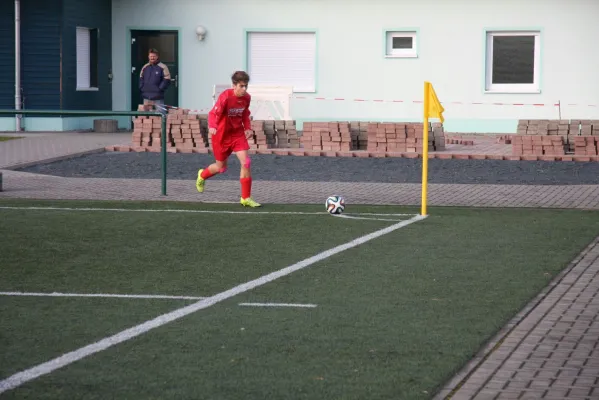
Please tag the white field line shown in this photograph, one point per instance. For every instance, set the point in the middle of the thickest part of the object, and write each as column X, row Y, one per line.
column 367, row 218
column 278, row 305
column 144, row 296
column 191, row 211
column 102, row 295
column 103, row 344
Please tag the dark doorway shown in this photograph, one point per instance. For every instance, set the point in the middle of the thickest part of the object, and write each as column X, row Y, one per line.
column 167, row 44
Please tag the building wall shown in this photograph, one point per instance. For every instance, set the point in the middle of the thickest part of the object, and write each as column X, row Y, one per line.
column 7, row 55
column 89, row 14
column 49, row 61
column 350, row 54
column 40, row 53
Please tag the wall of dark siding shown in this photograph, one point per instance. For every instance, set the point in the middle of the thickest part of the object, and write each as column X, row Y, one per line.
column 40, row 53
column 7, row 55
column 89, row 14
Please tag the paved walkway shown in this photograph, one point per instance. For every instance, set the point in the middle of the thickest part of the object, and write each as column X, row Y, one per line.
column 549, row 351
column 37, row 147
column 27, row 185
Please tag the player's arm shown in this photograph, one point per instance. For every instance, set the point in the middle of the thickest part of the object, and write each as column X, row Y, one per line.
column 216, row 114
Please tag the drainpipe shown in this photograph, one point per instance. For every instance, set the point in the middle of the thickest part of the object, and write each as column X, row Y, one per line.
column 18, row 63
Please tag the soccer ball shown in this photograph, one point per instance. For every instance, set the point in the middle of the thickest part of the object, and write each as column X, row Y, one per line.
column 335, row 204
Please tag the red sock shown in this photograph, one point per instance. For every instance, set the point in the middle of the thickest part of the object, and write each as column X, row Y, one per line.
column 246, row 187
column 206, row 173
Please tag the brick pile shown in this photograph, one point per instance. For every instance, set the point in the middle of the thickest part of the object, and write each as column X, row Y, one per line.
column 404, row 137
column 147, row 132
column 185, row 130
column 359, row 134
column 264, row 135
column 326, row 136
column 529, row 145
column 585, row 145
column 286, row 134
column 578, row 136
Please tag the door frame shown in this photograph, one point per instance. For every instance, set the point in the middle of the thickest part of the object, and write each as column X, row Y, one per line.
column 128, row 58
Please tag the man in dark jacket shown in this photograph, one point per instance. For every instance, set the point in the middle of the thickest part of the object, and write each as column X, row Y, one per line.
column 154, row 79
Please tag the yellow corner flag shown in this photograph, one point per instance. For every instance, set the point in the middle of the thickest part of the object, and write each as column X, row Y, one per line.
column 432, row 109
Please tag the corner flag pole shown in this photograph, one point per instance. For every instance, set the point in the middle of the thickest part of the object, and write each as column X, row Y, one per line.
column 432, row 108
column 425, row 148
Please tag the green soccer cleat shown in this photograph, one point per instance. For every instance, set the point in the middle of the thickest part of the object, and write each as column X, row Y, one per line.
column 200, row 182
column 249, row 202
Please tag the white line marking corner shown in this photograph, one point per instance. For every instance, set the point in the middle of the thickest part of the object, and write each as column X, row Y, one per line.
column 68, row 358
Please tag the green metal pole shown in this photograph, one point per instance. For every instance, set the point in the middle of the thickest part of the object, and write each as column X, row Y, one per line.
column 163, row 151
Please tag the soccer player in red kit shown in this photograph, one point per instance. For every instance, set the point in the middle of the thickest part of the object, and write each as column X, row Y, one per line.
column 229, row 125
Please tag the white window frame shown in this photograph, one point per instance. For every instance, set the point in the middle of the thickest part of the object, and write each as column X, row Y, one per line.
column 83, row 55
column 390, row 52
column 534, row 87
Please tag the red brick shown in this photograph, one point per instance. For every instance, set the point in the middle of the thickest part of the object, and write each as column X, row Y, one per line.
column 547, row 157
column 312, row 153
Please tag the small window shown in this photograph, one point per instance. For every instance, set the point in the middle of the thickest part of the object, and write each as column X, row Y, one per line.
column 512, row 62
column 87, row 58
column 401, row 44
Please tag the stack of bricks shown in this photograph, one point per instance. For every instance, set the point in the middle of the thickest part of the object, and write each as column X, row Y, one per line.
column 437, row 138
column 326, row 136
column 147, row 132
column 264, row 135
column 359, row 135
column 586, row 145
column 404, row 137
column 578, row 136
column 184, row 130
column 286, row 135
column 535, row 145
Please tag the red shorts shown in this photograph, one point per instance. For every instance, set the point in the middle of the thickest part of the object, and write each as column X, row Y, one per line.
column 222, row 147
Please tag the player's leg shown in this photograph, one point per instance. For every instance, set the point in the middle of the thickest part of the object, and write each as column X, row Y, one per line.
column 218, row 167
column 245, row 179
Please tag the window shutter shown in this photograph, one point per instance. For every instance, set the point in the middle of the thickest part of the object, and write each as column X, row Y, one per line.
column 283, row 58
column 83, row 57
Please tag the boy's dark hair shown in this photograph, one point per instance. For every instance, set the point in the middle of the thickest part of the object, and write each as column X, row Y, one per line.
column 153, row 51
column 240, row 76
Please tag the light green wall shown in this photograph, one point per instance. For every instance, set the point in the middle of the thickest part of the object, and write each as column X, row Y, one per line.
column 350, row 64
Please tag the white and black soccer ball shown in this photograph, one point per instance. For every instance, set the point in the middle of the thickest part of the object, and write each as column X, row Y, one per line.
column 335, row 204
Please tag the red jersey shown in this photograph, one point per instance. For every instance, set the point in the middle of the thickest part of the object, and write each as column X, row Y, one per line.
column 231, row 114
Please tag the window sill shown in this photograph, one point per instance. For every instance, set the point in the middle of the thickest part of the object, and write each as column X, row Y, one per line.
column 91, row 89
column 402, row 56
column 512, row 91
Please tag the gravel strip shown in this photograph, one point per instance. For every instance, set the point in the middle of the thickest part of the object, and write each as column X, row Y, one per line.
column 328, row 169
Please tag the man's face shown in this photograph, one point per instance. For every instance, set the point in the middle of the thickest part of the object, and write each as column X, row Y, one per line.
column 240, row 88
column 153, row 57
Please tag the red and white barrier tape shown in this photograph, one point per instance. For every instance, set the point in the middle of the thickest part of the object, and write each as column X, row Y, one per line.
column 443, row 102
column 181, row 108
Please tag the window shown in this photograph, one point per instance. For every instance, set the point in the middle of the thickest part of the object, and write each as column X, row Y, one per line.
column 512, row 62
column 283, row 58
column 87, row 58
column 400, row 44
